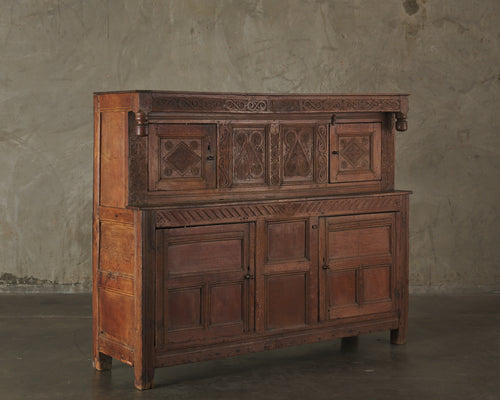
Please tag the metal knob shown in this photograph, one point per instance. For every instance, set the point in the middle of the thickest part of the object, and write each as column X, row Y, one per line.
column 248, row 275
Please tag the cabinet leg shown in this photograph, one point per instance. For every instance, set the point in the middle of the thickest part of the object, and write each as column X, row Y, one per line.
column 398, row 336
column 349, row 344
column 143, row 377
column 102, row 362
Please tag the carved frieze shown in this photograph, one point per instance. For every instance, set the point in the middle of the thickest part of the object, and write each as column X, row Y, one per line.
column 250, row 212
column 274, row 104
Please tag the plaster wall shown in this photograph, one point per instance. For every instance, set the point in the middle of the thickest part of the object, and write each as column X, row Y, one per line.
column 55, row 53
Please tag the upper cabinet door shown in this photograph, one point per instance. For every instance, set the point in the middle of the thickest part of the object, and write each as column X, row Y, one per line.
column 182, row 156
column 355, row 152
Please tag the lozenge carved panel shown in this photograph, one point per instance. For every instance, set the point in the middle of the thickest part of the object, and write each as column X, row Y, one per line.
column 180, row 158
column 354, row 153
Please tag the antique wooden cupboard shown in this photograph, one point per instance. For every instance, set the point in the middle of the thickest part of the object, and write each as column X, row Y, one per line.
column 231, row 223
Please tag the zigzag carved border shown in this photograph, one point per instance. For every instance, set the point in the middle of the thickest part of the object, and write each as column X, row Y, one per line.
column 250, row 212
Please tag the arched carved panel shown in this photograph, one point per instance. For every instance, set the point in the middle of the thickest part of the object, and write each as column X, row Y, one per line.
column 249, row 155
column 298, row 150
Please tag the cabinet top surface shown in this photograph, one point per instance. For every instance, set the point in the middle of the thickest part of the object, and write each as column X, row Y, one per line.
column 193, row 93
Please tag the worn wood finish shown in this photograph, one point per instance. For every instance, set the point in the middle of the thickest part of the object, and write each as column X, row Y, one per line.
column 231, row 223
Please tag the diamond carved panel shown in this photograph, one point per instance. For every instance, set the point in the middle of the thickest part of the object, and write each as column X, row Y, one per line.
column 249, row 159
column 354, row 153
column 180, row 158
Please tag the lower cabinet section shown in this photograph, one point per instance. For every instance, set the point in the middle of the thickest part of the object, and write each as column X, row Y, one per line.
column 215, row 282
column 288, row 273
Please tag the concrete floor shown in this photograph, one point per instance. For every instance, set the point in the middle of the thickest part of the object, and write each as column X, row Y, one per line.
column 452, row 353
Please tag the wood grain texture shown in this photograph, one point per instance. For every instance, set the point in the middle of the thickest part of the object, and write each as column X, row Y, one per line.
column 113, row 162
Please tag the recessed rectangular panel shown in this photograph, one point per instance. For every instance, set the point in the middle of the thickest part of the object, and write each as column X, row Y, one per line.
column 286, row 301
column 286, row 240
column 117, row 248
column 113, row 172
column 205, row 256
column 184, row 308
column 226, row 303
column 359, row 242
column 377, row 283
column 341, row 288
column 116, row 316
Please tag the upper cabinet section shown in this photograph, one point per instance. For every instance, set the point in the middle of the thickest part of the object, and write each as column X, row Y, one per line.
column 174, row 148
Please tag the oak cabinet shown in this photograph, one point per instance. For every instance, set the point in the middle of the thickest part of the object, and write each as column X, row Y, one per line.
column 231, row 223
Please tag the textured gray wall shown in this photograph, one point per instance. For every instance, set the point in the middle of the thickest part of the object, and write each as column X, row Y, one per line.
column 54, row 54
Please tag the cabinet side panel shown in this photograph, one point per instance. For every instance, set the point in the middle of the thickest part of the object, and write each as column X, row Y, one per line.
column 117, row 252
column 116, row 317
column 115, row 283
column 114, row 154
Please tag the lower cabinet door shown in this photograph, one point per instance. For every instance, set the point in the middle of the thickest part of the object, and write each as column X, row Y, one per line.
column 286, row 279
column 356, row 265
column 205, row 283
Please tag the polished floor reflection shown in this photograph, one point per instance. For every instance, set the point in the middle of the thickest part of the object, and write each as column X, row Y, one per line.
column 452, row 353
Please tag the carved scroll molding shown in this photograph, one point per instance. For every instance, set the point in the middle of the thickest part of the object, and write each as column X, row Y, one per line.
column 274, row 154
column 275, row 104
column 250, row 212
column 224, row 154
column 321, row 154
